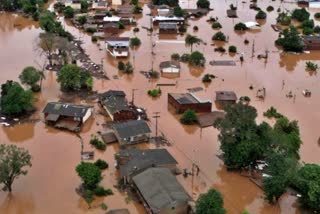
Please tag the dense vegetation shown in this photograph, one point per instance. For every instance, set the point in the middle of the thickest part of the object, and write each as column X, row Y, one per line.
column 290, row 40
column 189, row 117
column 210, row 203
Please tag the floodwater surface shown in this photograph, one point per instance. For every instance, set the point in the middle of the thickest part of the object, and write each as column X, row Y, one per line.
column 50, row 184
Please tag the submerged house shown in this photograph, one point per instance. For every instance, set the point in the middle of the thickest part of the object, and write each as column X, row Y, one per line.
column 183, row 101
column 160, row 192
column 117, row 106
column 118, row 46
column 66, row 115
column 166, row 19
column 311, row 42
column 168, row 28
column 111, row 28
column 99, row 5
column 226, row 97
column 132, row 132
column 171, row 67
column 133, row 161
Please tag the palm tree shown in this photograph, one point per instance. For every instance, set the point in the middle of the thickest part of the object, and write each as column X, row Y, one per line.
column 191, row 40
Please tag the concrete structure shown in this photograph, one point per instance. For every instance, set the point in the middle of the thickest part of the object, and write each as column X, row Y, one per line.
column 116, row 105
column 182, row 102
column 66, row 115
column 170, row 67
column 160, row 192
column 133, row 161
column 132, row 132
column 168, row 28
column 118, row 46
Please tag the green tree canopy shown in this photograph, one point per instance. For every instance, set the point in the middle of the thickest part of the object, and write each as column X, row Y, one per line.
column 73, row 78
column 84, row 6
column 14, row 99
column 68, row 12
column 197, row 59
column 219, row 36
column 191, row 40
column 300, row 14
column 210, row 203
column 30, row 76
column 13, row 161
column 290, row 40
column 189, row 117
column 308, row 184
column 171, row 3
column 90, row 174
column 178, row 11
column 135, row 42
column 203, row 4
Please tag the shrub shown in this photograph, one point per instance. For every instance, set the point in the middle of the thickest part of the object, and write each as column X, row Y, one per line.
column 284, row 19
column 100, row 191
column 216, row 25
column 137, row 9
column 189, row 117
column 219, row 36
column 128, row 68
column 307, row 31
column 94, row 39
column 182, row 29
column 240, row 26
column 203, row 4
column 232, row 49
column 136, row 30
column 121, row 25
column 311, row 66
column 82, row 20
column 103, row 206
column 197, row 59
column 91, row 30
column 245, row 99
column 261, row 15
column 220, row 49
column 98, row 144
column 270, row 8
column 154, row 92
column 195, row 28
column 101, row 164
column 317, row 15
column 185, row 57
column 272, row 113
column 121, row 66
column 175, row 56
column 316, row 29
column 307, row 23
column 135, row 41
column 207, row 78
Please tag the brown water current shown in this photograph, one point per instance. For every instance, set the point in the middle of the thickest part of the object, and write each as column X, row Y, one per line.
column 50, row 184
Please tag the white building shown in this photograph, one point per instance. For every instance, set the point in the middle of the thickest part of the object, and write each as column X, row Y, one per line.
column 170, row 67
column 109, row 19
column 116, row 2
column 118, row 46
column 74, row 4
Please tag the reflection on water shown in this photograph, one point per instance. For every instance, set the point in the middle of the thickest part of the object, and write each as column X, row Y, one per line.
column 51, row 181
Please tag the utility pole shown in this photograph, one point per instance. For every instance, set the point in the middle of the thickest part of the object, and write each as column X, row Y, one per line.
column 252, row 49
column 133, row 90
column 156, row 116
column 102, row 68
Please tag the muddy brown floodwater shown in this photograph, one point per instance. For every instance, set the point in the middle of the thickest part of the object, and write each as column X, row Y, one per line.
column 50, row 184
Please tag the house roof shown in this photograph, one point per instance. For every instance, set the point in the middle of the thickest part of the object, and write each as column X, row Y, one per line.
column 168, row 25
column 160, row 189
column 226, row 96
column 187, row 98
column 111, row 19
column 167, row 18
column 131, row 128
column 169, row 64
column 311, row 38
column 114, row 101
column 117, row 41
column 111, row 24
column 66, row 109
column 142, row 159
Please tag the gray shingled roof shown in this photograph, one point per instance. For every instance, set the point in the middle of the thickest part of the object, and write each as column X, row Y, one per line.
column 142, row 159
column 160, row 189
column 114, row 101
column 169, row 64
column 131, row 128
column 66, row 109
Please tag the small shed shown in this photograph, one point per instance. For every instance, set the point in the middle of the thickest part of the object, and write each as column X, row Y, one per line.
column 172, row 67
column 226, row 97
column 184, row 101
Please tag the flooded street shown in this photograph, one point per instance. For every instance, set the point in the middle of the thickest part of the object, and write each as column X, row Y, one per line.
column 50, row 184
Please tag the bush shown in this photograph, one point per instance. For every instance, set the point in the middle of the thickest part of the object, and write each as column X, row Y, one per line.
column 270, row 8
column 220, row 49
column 135, row 42
column 121, row 25
column 101, row 164
column 207, row 78
column 316, row 29
column 307, row 31
column 245, row 99
column 317, row 15
column 121, row 66
column 300, row 14
column 232, row 49
column 185, row 57
column 195, row 28
column 272, row 113
column 100, row 191
column 98, row 144
column 68, row 12
column 128, row 68
column 182, row 29
column 216, row 25
column 175, row 56
column 189, row 117
column 136, row 30
column 94, row 39
column 310, row 66
column 219, row 36
column 240, row 26
column 154, row 92
column 91, row 30
column 103, row 206
column 261, row 15
column 307, row 23
column 203, row 4
column 137, row 9
column 284, row 19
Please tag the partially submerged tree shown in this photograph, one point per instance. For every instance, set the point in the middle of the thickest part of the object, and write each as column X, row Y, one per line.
column 30, row 76
column 73, row 78
column 240, row 26
column 179, row 12
column 13, row 161
column 84, row 6
column 197, row 59
column 300, row 14
column 290, row 40
column 203, row 4
column 210, row 203
column 219, row 36
column 191, row 40
column 14, row 99
column 135, row 42
column 189, row 117
column 310, row 66
column 261, row 15
column 68, row 12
